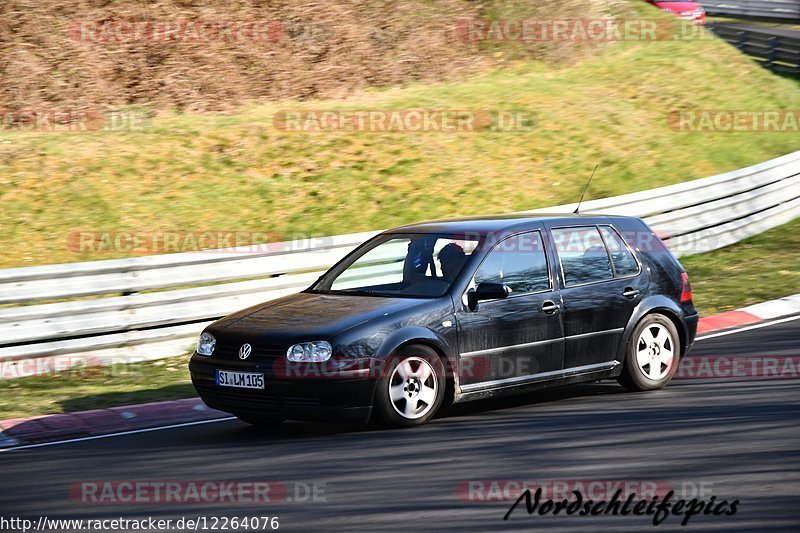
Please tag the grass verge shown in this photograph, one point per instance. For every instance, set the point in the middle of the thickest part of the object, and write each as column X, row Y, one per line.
column 761, row 268
column 81, row 389
column 240, row 173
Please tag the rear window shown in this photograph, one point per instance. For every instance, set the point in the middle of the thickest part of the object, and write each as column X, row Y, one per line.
column 624, row 262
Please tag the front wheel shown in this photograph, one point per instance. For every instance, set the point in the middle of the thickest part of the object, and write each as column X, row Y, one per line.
column 653, row 354
column 411, row 390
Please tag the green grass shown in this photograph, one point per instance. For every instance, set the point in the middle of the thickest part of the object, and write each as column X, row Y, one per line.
column 86, row 388
column 755, row 270
column 758, row 269
column 238, row 173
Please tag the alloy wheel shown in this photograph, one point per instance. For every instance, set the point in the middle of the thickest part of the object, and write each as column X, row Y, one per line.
column 413, row 388
column 655, row 351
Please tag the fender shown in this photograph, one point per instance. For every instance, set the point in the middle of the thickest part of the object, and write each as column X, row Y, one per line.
column 651, row 304
column 412, row 334
column 409, row 334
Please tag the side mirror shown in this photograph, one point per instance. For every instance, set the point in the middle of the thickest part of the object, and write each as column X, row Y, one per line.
column 486, row 291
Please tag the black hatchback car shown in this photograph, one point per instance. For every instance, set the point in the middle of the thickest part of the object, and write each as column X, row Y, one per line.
column 454, row 310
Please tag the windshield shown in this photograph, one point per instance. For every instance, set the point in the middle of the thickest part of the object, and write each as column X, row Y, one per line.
column 400, row 265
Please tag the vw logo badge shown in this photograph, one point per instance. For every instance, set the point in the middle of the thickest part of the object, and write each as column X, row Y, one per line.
column 245, row 350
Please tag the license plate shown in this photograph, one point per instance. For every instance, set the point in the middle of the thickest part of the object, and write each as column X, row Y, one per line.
column 242, row 380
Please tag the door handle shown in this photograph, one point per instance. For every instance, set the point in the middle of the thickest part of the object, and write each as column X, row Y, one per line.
column 550, row 307
column 630, row 292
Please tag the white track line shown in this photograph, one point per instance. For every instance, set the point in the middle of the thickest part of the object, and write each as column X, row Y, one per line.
column 119, row 434
column 226, row 419
column 747, row 328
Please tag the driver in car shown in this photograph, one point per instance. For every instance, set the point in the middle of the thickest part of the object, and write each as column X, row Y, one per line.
column 451, row 258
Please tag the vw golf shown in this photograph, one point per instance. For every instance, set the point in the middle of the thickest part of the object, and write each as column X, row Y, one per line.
column 454, row 310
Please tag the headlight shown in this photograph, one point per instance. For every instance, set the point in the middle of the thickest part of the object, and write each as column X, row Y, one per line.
column 309, row 352
column 206, row 344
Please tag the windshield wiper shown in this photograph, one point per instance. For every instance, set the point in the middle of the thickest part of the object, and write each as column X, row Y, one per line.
column 358, row 292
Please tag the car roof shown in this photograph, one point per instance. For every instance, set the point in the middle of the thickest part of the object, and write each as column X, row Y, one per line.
column 501, row 223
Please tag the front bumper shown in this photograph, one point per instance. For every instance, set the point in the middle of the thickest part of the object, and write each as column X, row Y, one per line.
column 326, row 398
column 698, row 19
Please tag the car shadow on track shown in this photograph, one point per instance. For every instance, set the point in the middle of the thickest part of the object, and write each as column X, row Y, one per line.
column 105, row 400
column 521, row 400
column 300, row 430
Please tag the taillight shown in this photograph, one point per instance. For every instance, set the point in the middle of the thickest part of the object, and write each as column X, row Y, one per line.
column 686, row 288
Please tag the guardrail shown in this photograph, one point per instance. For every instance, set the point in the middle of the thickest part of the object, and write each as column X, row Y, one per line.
column 766, row 9
column 123, row 322
column 777, row 49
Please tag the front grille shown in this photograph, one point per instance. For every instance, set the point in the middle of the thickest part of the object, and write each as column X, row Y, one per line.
column 251, row 400
column 297, row 401
column 239, row 399
column 230, row 350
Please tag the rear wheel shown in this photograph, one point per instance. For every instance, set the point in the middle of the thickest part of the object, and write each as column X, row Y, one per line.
column 652, row 356
column 411, row 390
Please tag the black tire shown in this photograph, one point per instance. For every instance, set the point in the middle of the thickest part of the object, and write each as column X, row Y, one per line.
column 387, row 411
column 260, row 421
column 636, row 377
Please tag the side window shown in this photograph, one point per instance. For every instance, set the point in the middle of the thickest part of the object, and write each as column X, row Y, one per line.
column 518, row 262
column 624, row 262
column 583, row 256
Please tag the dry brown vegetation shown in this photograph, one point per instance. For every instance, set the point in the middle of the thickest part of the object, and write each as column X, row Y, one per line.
column 328, row 49
column 202, row 170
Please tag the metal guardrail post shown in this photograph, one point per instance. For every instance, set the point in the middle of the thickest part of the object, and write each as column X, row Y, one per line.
column 776, row 52
column 774, row 41
column 741, row 40
column 787, row 10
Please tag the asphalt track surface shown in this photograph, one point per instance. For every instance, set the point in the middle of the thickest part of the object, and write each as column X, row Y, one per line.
column 734, row 439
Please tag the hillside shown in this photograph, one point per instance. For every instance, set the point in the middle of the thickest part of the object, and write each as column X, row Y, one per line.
column 606, row 104
column 89, row 53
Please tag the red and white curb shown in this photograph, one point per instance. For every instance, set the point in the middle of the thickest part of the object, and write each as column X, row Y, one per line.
column 82, row 424
column 751, row 314
column 160, row 415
